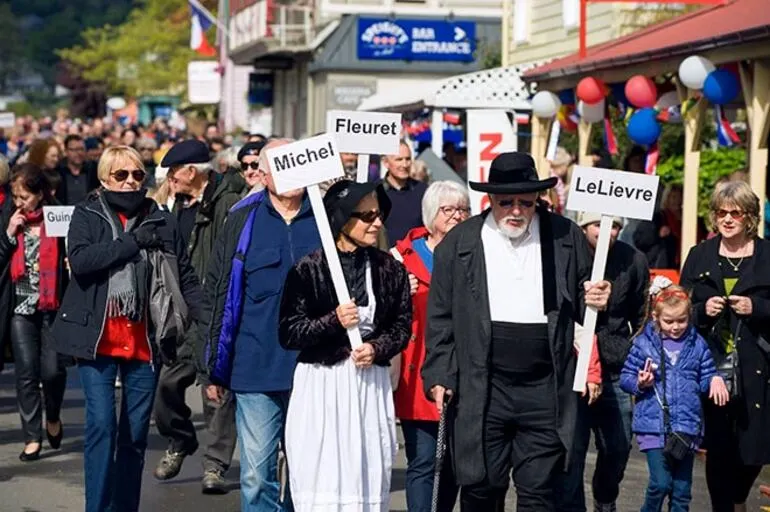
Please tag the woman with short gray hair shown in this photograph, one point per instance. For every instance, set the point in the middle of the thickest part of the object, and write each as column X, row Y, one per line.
column 444, row 205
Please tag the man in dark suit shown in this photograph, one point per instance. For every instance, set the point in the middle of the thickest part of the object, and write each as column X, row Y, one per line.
column 507, row 288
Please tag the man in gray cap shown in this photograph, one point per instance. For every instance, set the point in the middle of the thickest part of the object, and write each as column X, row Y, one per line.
column 203, row 200
column 610, row 416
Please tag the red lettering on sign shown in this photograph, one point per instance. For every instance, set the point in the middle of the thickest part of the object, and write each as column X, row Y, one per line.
column 488, row 153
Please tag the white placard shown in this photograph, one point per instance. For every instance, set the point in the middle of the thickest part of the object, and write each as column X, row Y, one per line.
column 7, row 119
column 610, row 192
column 204, row 82
column 57, row 220
column 613, row 194
column 305, row 162
column 370, row 133
column 489, row 134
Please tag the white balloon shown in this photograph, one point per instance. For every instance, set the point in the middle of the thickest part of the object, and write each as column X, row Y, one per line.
column 591, row 113
column 693, row 71
column 668, row 100
column 545, row 104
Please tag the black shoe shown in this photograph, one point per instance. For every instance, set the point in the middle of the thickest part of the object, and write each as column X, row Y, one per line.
column 29, row 457
column 55, row 441
column 213, row 482
column 170, row 465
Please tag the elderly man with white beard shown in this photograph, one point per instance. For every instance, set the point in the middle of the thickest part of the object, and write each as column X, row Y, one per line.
column 507, row 287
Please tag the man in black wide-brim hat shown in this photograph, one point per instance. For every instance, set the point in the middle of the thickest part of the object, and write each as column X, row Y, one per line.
column 507, row 287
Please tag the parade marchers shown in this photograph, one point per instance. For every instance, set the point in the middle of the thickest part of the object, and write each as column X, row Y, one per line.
column 476, row 314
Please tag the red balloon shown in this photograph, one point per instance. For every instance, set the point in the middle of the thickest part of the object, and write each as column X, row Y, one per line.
column 641, row 92
column 591, row 90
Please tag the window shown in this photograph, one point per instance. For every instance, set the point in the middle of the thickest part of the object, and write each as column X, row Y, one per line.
column 570, row 13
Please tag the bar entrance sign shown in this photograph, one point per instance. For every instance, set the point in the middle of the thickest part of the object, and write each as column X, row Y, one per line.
column 613, row 194
column 305, row 164
column 364, row 133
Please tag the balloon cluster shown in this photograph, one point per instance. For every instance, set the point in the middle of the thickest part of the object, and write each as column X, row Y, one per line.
column 719, row 86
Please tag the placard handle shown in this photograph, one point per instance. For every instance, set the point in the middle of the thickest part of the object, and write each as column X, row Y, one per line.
column 362, row 172
column 332, row 258
column 586, row 341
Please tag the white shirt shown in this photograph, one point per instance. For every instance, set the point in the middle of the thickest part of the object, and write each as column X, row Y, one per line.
column 366, row 313
column 514, row 274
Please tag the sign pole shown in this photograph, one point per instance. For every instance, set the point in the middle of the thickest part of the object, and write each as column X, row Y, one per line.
column 589, row 320
column 362, row 173
column 330, row 250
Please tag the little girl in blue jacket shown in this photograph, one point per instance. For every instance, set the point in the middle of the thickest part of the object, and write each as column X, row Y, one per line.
column 690, row 373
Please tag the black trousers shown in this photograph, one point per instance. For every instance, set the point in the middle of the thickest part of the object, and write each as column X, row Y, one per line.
column 36, row 361
column 173, row 418
column 729, row 480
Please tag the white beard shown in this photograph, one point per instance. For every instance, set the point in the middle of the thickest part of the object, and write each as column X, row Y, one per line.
column 514, row 233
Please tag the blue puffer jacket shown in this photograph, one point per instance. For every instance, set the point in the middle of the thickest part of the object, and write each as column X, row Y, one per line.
column 686, row 381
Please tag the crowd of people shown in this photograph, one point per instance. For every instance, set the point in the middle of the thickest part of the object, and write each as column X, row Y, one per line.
column 472, row 320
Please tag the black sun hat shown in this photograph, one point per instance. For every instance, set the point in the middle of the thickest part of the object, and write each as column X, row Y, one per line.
column 513, row 173
column 342, row 198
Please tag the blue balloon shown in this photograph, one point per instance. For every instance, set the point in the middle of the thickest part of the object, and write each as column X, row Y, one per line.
column 721, row 87
column 643, row 127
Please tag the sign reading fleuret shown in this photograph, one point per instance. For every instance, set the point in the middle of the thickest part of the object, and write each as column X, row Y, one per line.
column 306, row 163
column 57, row 220
column 365, row 133
column 613, row 194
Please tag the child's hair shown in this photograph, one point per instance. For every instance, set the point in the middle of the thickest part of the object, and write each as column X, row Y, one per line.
column 671, row 296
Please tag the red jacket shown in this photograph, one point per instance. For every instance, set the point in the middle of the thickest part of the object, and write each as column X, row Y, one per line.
column 410, row 400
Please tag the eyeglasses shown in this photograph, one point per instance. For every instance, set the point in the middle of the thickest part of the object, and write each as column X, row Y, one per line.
column 735, row 214
column 450, row 211
column 367, row 217
column 253, row 165
column 510, row 203
column 77, row 149
column 122, row 175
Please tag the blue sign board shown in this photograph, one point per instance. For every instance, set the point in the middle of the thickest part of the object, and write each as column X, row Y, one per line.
column 261, row 89
column 436, row 40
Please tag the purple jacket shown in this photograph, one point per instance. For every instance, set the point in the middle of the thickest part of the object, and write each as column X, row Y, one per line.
column 686, row 381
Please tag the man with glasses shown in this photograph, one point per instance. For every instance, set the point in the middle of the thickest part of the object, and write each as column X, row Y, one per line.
column 203, row 200
column 248, row 157
column 507, row 287
column 78, row 176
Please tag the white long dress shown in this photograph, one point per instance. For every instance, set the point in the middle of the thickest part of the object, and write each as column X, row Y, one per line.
column 341, row 433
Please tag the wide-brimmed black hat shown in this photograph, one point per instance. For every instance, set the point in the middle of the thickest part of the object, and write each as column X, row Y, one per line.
column 342, row 198
column 513, row 173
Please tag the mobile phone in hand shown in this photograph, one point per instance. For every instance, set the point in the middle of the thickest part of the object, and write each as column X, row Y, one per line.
column 648, row 365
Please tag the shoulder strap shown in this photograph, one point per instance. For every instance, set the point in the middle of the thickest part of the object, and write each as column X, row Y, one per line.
column 397, row 255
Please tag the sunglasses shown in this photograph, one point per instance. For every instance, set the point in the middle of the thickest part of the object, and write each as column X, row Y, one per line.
column 122, row 175
column 253, row 165
column 450, row 211
column 367, row 217
column 510, row 203
column 735, row 214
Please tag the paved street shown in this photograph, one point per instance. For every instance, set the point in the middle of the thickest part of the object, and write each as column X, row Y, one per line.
column 55, row 483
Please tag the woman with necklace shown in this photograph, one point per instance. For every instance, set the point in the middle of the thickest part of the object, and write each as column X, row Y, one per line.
column 340, row 426
column 729, row 278
column 36, row 277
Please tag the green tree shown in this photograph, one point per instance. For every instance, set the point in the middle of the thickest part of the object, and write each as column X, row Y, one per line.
column 148, row 53
column 10, row 43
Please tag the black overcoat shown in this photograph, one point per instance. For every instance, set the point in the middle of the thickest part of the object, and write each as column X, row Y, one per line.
column 702, row 275
column 458, row 336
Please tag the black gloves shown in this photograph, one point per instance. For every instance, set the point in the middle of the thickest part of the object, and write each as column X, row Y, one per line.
column 147, row 237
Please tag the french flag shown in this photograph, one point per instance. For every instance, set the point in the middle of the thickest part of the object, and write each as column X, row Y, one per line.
column 200, row 23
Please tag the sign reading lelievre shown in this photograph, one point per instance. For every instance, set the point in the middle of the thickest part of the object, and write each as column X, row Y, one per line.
column 610, row 192
column 367, row 133
column 57, row 220
column 305, row 162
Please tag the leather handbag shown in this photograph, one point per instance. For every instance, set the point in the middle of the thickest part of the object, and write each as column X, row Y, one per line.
column 727, row 364
column 168, row 309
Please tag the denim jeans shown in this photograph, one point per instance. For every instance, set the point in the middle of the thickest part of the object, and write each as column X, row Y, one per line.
column 420, row 438
column 113, row 477
column 668, row 478
column 260, row 419
column 610, row 420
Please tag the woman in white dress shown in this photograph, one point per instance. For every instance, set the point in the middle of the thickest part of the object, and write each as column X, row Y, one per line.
column 340, row 429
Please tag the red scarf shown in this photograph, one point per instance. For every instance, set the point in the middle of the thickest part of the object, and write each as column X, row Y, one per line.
column 48, row 260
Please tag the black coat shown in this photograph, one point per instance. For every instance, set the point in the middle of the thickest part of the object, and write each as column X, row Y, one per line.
column 309, row 323
column 458, row 337
column 702, row 275
column 92, row 253
column 92, row 179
